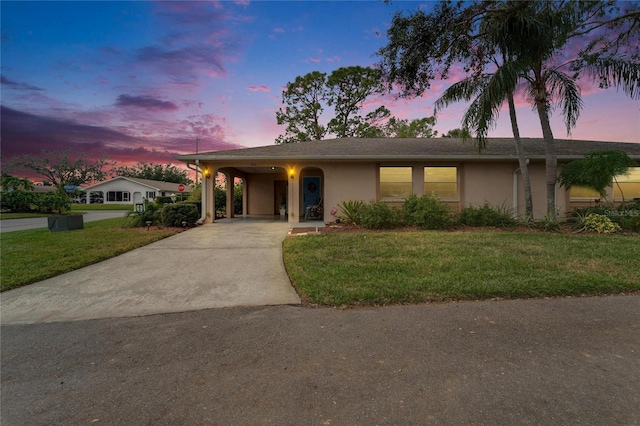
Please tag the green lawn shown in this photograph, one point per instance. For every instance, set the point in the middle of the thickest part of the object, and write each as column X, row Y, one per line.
column 87, row 207
column 414, row 267
column 33, row 255
column 75, row 209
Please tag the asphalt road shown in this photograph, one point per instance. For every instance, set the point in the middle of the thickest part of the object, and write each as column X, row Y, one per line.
column 10, row 225
column 552, row 362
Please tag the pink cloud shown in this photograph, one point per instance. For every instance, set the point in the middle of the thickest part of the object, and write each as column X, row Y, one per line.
column 278, row 30
column 261, row 88
column 314, row 59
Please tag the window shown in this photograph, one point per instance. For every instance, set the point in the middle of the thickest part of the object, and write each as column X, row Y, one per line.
column 395, row 182
column 118, row 196
column 629, row 185
column 151, row 195
column 583, row 193
column 441, row 182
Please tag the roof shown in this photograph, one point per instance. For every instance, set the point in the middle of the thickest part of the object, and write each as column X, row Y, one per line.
column 410, row 148
column 152, row 184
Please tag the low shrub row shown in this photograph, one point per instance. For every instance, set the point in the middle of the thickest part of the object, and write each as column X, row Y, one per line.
column 428, row 212
column 167, row 215
column 626, row 217
column 28, row 202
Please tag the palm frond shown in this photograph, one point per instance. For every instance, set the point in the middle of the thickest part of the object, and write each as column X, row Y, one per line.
column 566, row 93
column 617, row 73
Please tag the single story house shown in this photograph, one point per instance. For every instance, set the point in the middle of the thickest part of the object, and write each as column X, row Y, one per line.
column 328, row 172
column 128, row 190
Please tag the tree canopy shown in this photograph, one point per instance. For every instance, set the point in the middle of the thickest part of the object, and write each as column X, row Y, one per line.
column 346, row 90
column 154, row 171
column 63, row 168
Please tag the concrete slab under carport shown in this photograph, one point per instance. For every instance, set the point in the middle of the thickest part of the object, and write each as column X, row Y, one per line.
column 227, row 263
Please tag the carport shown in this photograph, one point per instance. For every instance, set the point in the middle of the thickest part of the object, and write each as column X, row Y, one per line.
column 269, row 189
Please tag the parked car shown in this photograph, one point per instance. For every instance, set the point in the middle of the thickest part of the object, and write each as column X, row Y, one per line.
column 82, row 199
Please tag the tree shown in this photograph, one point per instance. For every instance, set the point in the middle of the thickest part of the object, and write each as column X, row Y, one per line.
column 61, row 168
column 457, row 134
column 418, row 128
column 15, row 183
column 532, row 37
column 597, row 170
column 303, row 100
column 347, row 89
column 154, row 171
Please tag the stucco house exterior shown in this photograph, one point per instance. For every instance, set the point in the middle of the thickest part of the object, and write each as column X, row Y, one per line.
column 329, row 172
column 127, row 190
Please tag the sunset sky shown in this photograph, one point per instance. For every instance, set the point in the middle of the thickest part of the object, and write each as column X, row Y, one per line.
column 142, row 80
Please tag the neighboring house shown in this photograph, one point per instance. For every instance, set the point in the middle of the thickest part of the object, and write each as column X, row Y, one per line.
column 127, row 190
column 330, row 172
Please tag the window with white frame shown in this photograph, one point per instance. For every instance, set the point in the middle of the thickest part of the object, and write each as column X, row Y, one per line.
column 151, row 195
column 118, row 196
column 441, row 182
column 395, row 182
column 627, row 186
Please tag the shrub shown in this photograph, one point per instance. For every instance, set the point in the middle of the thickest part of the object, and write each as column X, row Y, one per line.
column 18, row 201
column 351, row 211
column 378, row 215
column 52, row 201
column 175, row 214
column 487, row 216
column 151, row 214
column 549, row 223
column 601, row 224
column 427, row 212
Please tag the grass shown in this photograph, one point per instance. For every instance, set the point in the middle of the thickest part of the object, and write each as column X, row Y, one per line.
column 7, row 216
column 87, row 207
column 37, row 254
column 75, row 209
column 414, row 267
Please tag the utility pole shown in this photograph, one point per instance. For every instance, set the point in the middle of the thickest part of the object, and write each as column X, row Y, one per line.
column 197, row 141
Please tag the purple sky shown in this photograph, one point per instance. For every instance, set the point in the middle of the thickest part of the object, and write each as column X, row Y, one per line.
column 140, row 81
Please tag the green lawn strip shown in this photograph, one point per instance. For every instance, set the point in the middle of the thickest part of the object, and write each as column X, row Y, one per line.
column 413, row 267
column 33, row 255
column 7, row 216
column 88, row 207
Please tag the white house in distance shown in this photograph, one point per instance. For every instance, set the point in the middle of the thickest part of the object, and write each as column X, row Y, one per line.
column 127, row 190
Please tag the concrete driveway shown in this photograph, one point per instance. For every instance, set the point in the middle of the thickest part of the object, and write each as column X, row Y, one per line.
column 238, row 263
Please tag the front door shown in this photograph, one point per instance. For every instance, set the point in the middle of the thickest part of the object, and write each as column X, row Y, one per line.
column 311, row 192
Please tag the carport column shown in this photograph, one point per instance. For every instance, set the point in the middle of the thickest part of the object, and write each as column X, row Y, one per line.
column 208, row 196
column 230, row 205
column 245, row 191
column 294, row 196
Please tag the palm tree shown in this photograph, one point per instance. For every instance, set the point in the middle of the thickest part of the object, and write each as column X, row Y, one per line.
column 532, row 35
column 490, row 91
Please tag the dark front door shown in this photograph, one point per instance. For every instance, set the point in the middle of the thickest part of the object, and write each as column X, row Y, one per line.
column 311, row 192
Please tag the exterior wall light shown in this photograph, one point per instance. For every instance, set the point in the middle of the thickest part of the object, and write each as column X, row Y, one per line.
column 291, row 173
column 206, row 172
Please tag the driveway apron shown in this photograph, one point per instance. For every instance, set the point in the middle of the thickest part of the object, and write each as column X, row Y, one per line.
column 238, row 263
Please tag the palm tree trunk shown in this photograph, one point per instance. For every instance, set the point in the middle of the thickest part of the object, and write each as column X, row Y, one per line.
column 522, row 161
column 551, row 157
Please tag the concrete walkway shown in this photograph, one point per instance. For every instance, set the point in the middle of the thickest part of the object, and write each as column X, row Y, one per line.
column 212, row 266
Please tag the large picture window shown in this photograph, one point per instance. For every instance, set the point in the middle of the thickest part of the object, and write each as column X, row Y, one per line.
column 395, row 182
column 583, row 193
column 441, row 182
column 118, row 196
column 629, row 185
